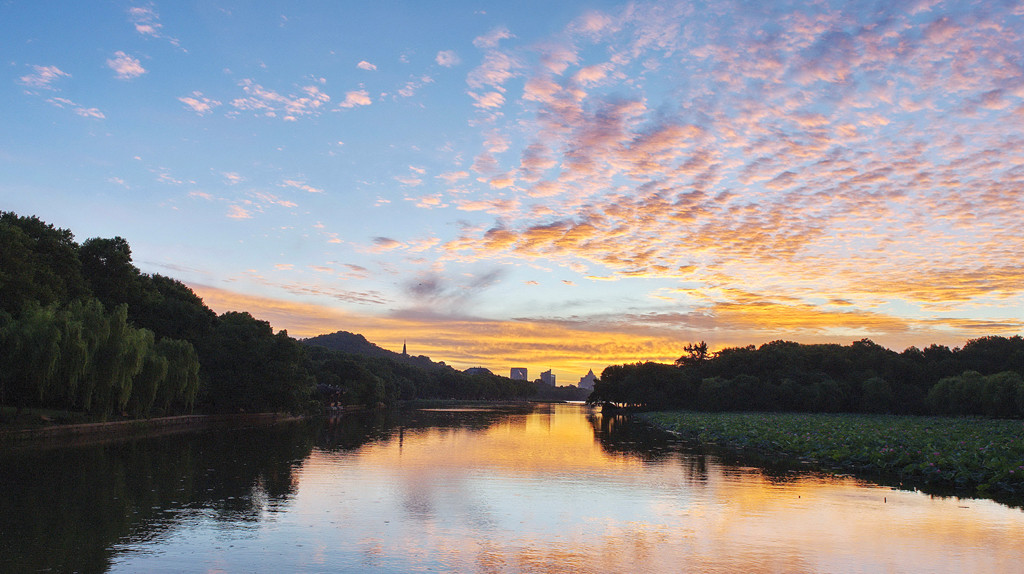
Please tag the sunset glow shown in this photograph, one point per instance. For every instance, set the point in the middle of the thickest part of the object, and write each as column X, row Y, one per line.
column 546, row 185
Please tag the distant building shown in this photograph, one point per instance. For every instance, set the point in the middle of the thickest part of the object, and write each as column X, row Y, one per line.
column 587, row 381
column 404, row 354
column 548, row 378
column 478, row 371
column 518, row 374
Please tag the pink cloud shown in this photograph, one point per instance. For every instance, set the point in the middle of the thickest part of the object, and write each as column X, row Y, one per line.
column 356, row 98
column 125, row 66
column 238, row 212
column 44, row 77
column 199, row 103
column 447, row 58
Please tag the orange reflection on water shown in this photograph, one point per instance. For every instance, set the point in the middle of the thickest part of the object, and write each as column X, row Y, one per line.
column 539, row 442
column 557, row 491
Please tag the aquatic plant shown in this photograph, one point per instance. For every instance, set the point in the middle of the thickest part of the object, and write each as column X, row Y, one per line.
column 985, row 455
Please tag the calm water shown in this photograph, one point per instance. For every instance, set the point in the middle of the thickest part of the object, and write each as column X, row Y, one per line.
column 543, row 489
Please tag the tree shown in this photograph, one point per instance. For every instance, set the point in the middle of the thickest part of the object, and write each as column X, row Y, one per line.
column 108, row 270
column 250, row 368
column 877, row 396
column 146, row 383
column 1000, row 394
column 181, row 385
column 169, row 308
column 32, row 355
column 117, row 361
column 38, row 262
column 696, row 355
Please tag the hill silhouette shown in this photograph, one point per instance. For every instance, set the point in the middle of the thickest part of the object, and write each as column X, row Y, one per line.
column 356, row 344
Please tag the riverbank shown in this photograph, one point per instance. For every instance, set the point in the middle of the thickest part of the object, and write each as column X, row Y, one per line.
column 84, row 433
column 973, row 455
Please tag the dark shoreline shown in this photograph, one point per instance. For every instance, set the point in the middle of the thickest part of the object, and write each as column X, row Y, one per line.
column 91, row 433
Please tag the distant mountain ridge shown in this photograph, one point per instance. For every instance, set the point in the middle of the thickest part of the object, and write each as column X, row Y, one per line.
column 356, row 344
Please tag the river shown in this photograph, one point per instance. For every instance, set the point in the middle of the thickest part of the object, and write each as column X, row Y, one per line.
column 545, row 488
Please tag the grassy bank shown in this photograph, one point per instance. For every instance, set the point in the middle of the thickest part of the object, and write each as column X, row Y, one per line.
column 981, row 455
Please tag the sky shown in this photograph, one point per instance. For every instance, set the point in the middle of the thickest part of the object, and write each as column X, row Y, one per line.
column 550, row 185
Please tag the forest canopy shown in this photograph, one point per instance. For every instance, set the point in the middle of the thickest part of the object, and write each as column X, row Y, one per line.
column 984, row 377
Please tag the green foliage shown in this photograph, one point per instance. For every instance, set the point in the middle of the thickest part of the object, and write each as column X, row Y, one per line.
column 181, row 385
column 249, row 368
column 33, row 353
column 974, row 394
column 861, row 377
column 982, row 454
column 877, row 396
column 83, row 328
column 81, row 357
column 38, row 263
column 107, row 268
column 170, row 309
column 146, row 382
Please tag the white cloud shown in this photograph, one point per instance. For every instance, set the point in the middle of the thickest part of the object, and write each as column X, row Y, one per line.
column 77, row 108
column 411, row 86
column 238, row 212
column 271, row 103
column 492, row 38
column 44, row 77
column 364, row 65
column 125, row 66
column 147, row 22
column 198, row 103
column 356, row 98
column 447, row 58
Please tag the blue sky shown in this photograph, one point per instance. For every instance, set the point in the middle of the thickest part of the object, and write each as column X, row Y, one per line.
column 551, row 185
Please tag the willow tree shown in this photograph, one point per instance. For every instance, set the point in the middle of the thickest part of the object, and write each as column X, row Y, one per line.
column 147, row 383
column 116, row 362
column 95, row 333
column 181, row 385
column 32, row 355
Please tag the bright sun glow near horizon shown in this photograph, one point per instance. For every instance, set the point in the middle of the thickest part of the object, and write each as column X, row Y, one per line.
column 545, row 185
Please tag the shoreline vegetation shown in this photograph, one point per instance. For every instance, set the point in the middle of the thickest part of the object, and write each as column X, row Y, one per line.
column 959, row 456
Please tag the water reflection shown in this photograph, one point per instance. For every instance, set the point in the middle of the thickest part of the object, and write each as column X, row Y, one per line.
column 68, row 510
column 532, row 489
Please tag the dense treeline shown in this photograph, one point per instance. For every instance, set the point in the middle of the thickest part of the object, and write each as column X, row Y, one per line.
column 83, row 329
column 348, row 378
column 984, row 377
